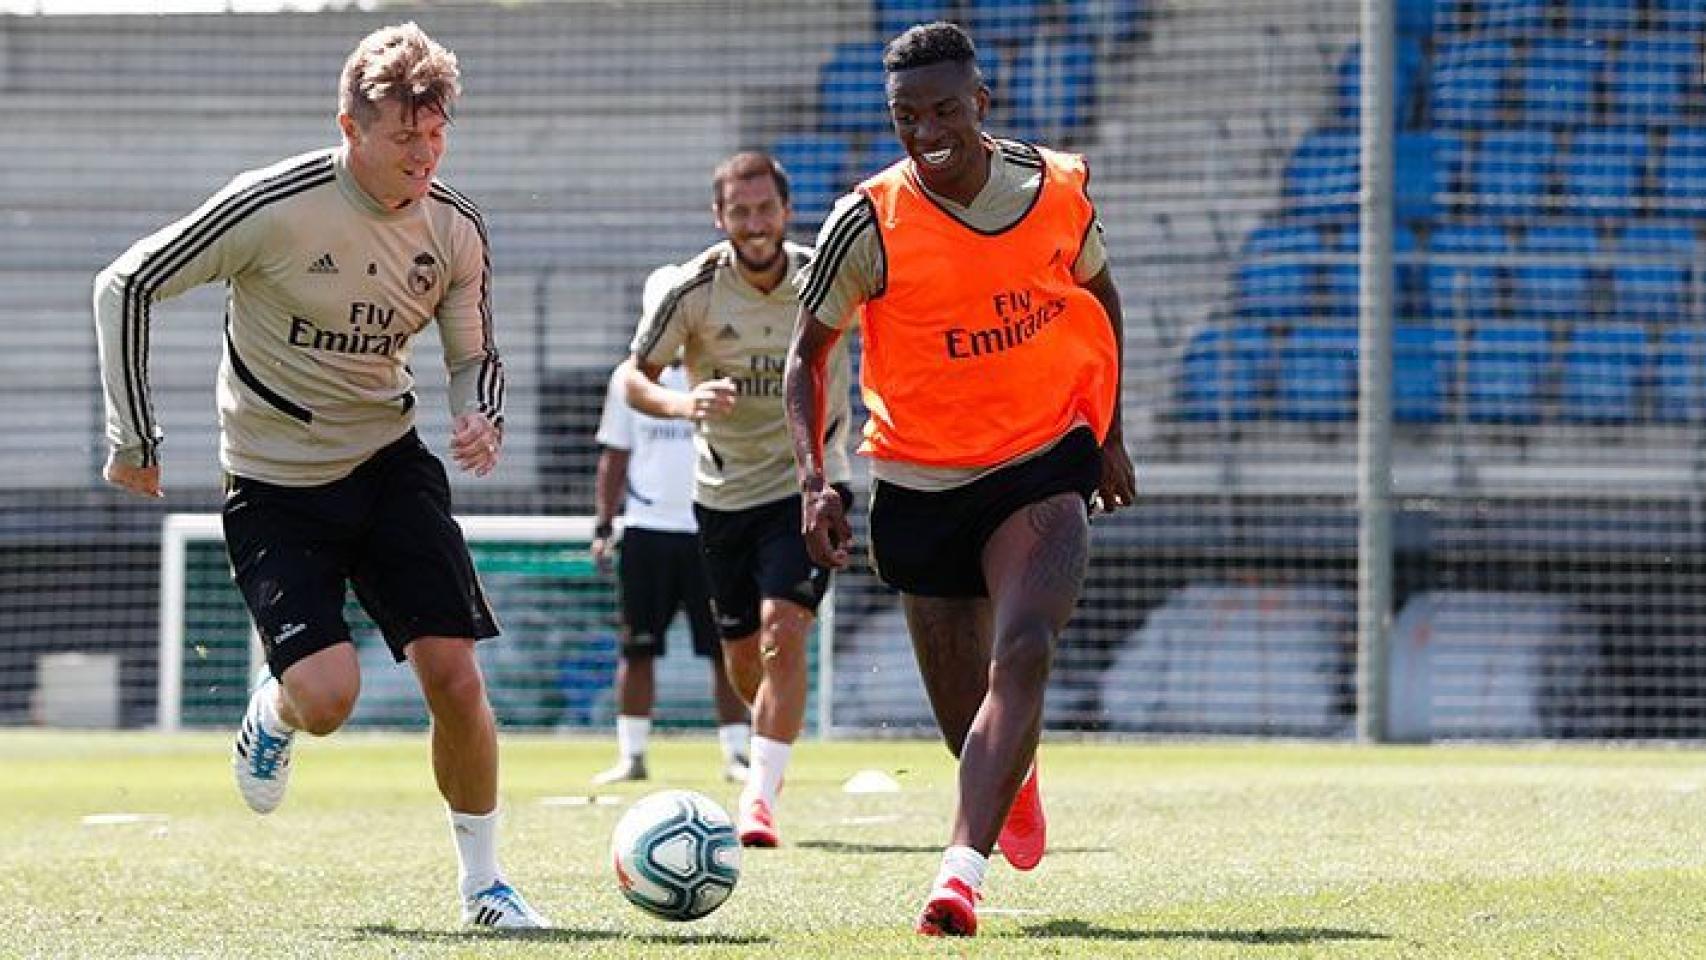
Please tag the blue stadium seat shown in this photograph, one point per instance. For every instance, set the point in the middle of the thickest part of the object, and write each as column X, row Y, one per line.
column 1600, row 17
column 876, row 155
column 1556, row 82
column 1680, row 380
column 1004, row 21
column 1604, row 364
column 1416, row 17
column 1053, row 90
column 1647, row 80
column 1508, row 17
column 1681, row 175
column 1323, row 175
column 1276, row 276
column 1680, row 17
column 1450, row 162
column 1316, row 374
column 1557, row 287
column 1468, row 81
column 1510, row 170
column 1505, row 370
column 818, row 172
column 1424, row 366
column 853, row 91
column 892, row 17
column 1415, row 177
column 1601, row 172
column 1119, row 20
column 1408, row 54
column 1342, row 279
column 1463, row 271
column 1655, row 288
column 1223, row 373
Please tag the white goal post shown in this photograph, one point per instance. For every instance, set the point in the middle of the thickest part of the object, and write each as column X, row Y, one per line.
column 207, row 646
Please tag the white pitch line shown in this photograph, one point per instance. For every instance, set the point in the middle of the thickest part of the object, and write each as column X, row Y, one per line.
column 119, row 819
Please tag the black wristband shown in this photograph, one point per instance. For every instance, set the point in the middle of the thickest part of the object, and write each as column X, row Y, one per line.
column 602, row 530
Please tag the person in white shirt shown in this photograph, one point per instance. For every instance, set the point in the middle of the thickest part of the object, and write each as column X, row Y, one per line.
column 645, row 469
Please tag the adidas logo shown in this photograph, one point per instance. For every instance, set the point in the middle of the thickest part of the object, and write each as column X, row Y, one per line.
column 323, row 265
column 728, row 332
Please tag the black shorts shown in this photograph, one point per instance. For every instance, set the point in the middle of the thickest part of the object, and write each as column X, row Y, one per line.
column 755, row 553
column 385, row 529
column 931, row 544
column 659, row 573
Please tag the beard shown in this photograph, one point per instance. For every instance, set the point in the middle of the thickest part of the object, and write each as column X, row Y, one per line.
column 758, row 266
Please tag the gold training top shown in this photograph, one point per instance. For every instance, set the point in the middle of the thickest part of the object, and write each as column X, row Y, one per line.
column 327, row 291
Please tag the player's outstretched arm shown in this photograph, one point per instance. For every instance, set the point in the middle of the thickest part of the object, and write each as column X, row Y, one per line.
column 823, row 518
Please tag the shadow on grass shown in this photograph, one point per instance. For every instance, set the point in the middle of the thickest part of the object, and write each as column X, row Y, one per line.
column 387, row 931
column 836, row 846
column 1278, row 935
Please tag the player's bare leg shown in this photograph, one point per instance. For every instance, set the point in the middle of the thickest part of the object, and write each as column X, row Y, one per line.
column 464, row 733
column 951, row 638
column 730, row 707
column 1034, row 565
column 743, row 667
column 778, row 713
column 465, row 764
column 317, row 695
column 320, row 690
column 636, row 687
column 734, row 724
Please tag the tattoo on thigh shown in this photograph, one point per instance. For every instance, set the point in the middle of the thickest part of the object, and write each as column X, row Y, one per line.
column 1059, row 557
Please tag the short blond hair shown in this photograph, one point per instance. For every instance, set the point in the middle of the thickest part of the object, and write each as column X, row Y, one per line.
column 399, row 63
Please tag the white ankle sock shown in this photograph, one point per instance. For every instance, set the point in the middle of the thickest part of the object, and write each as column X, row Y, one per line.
column 631, row 736
column 736, row 739
column 271, row 722
column 769, row 762
column 964, row 863
column 476, row 850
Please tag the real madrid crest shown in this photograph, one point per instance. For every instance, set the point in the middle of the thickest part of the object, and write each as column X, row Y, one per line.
column 423, row 276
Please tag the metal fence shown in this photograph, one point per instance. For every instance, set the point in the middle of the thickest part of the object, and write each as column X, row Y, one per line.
column 1548, row 336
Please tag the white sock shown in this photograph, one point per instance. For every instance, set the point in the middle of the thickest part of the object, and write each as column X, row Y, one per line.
column 476, row 850
column 769, row 761
column 271, row 722
column 631, row 734
column 736, row 740
column 965, row 864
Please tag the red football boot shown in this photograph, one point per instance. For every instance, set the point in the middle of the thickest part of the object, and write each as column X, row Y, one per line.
column 1024, row 836
column 951, row 911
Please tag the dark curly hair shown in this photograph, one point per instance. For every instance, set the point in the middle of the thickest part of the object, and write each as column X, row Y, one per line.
column 927, row 44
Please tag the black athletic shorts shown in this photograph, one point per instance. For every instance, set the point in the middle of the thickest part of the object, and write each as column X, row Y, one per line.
column 931, row 544
column 755, row 553
column 660, row 572
column 385, row 529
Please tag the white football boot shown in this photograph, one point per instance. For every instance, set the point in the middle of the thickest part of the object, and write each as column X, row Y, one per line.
column 260, row 759
column 499, row 907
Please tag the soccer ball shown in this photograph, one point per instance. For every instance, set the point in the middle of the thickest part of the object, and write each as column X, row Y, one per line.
column 676, row 855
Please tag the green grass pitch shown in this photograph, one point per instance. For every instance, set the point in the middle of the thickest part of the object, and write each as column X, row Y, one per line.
column 1157, row 850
